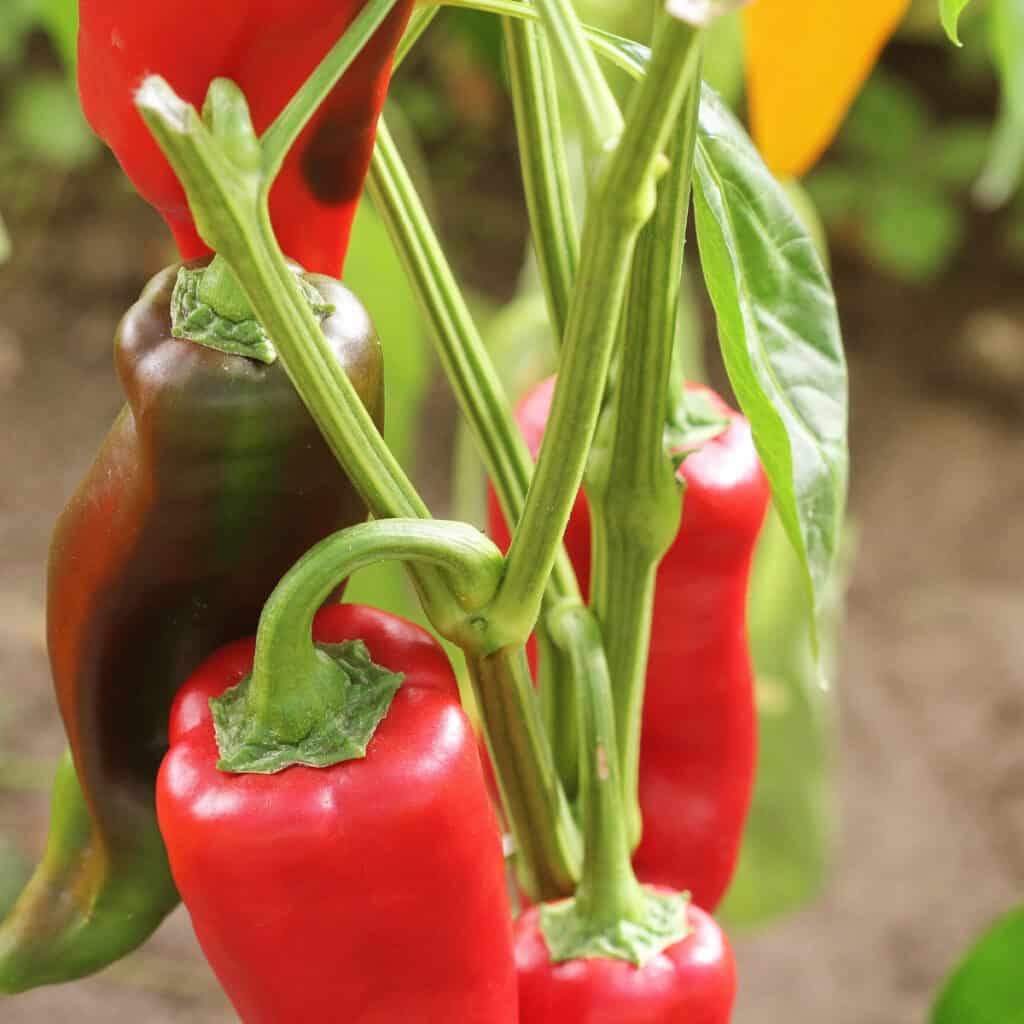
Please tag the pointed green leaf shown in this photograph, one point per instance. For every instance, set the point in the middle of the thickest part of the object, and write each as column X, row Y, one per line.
column 779, row 334
column 950, row 11
column 777, row 325
column 988, row 985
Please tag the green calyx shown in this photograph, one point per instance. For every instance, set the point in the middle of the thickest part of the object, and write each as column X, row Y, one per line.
column 209, row 307
column 693, row 422
column 571, row 935
column 355, row 693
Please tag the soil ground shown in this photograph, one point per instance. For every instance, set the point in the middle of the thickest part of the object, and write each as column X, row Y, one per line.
column 931, row 789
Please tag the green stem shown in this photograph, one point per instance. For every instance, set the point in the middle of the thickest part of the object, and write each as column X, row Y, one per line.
column 548, row 858
column 624, row 199
column 635, row 497
column 419, row 22
column 478, row 390
column 542, row 158
column 601, row 118
column 608, row 891
column 287, row 665
column 279, row 138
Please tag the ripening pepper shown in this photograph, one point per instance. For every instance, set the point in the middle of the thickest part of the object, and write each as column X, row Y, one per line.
column 213, row 480
column 269, row 48
column 698, row 747
column 369, row 891
column 691, row 982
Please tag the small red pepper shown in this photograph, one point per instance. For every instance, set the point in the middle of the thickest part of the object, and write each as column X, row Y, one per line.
column 698, row 748
column 369, row 891
column 691, row 982
column 269, row 49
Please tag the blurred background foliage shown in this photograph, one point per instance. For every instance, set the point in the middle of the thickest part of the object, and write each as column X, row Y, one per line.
column 918, row 163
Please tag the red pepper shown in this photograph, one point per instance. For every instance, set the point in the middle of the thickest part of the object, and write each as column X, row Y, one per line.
column 691, row 982
column 269, row 48
column 370, row 891
column 698, row 747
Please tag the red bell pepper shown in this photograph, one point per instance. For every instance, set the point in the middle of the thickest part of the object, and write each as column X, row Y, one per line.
column 691, row 982
column 269, row 49
column 369, row 891
column 698, row 747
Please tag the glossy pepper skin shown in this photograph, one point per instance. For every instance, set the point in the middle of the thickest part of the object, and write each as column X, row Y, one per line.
column 370, row 892
column 269, row 48
column 211, row 483
column 691, row 982
column 699, row 743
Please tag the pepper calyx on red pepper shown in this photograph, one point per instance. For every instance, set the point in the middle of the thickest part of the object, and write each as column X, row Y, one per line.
column 319, row 706
column 661, row 922
column 694, row 420
column 612, row 915
column 209, row 307
column 355, row 695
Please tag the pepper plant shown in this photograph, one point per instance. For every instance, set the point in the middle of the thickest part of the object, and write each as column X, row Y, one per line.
column 325, row 764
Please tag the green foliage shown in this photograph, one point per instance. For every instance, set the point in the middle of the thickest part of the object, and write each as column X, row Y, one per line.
column 1002, row 173
column 899, row 179
column 988, row 985
column 40, row 116
column 788, row 839
column 779, row 334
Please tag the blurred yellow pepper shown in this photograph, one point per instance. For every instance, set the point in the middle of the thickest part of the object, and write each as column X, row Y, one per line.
column 806, row 61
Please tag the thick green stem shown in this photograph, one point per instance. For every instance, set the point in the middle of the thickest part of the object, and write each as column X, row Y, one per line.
column 547, row 858
column 542, row 158
column 608, row 891
column 477, row 389
column 624, row 199
column 635, row 498
column 283, row 693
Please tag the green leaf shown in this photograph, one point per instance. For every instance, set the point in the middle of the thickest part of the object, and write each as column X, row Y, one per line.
column 988, row 985
column 1002, row 173
column 777, row 322
column 950, row 11
column 779, row 333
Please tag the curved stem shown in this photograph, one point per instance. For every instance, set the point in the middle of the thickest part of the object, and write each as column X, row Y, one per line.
column 284, row 646
column 635, row 498
column 278, row 139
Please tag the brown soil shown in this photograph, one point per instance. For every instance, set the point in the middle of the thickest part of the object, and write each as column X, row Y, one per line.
column 932, row 702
